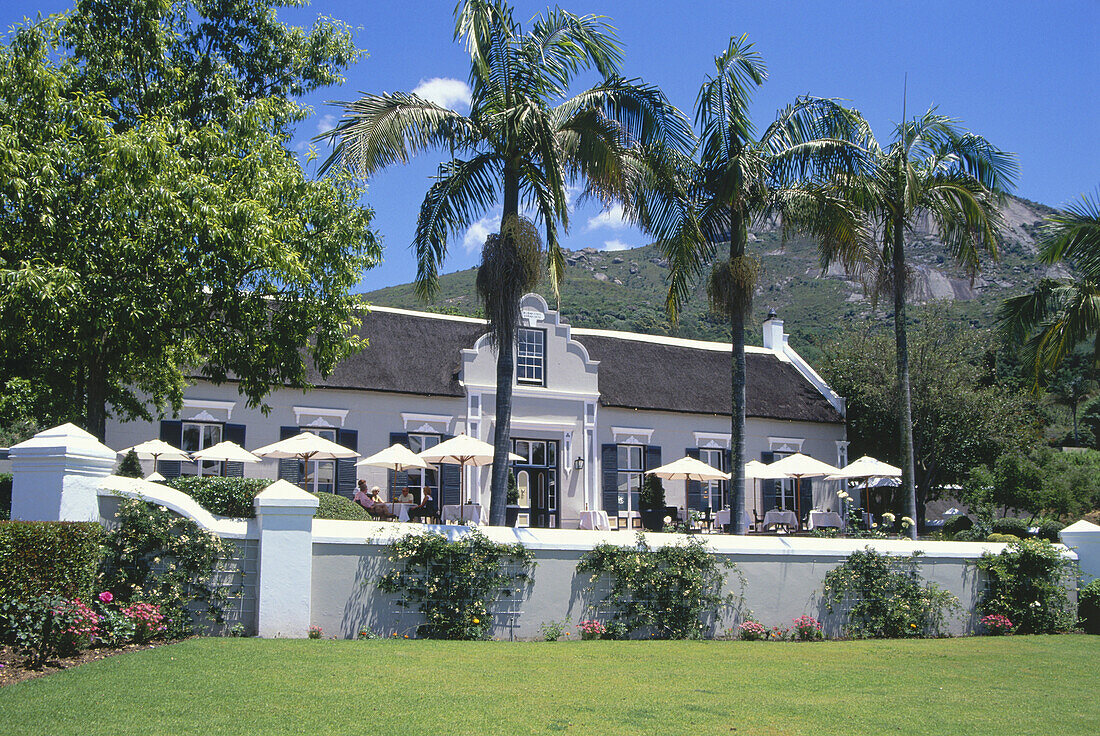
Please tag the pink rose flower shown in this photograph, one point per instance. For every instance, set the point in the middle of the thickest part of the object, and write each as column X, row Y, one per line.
column 106, row 597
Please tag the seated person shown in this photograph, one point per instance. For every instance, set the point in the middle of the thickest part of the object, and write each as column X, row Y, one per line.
column 426, row 507
column 372, row 502
column 406, row 496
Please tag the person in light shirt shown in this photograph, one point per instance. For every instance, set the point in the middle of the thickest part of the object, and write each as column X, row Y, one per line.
column 372, row 501
column 406, row 496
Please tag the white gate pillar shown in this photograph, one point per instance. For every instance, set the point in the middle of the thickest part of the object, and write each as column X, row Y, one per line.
column 1084, row 539
column 284, row 515
column 56, row 474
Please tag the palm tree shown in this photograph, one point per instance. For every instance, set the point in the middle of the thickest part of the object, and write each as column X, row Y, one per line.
column 932, row 169
column 517, row 148
column 785, row 174
column 1058, row 315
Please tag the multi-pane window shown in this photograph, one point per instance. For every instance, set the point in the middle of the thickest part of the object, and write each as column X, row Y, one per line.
column 714, row 491
column 784, row 489
column 198, row 436
column 427, row 478
column 530, row 356
column 630, row 477
column 322, row 473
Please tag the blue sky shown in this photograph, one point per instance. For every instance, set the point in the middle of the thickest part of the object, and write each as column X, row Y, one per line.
column 1025, row 75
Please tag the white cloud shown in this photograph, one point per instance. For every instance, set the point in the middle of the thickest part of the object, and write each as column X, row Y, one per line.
column 616, row 245
column 479, row 231
column 613, row 218
column 449, row 93
column 326, row 123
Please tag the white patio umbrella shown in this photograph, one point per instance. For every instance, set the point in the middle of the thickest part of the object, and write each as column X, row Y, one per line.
column 799, row 466
column 462, row 450
column 306, row 446
column 226, row 452
column 395, row 457
column 756, row 470
column 689, row 468
column 866, row 467
column 158, row 449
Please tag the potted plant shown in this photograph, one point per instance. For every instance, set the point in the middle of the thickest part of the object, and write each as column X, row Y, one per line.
column 652, row 501
column 512, row 511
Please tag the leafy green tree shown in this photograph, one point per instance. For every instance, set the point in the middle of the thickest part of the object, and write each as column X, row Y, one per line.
column 1058, row 315
column 138, row 254
column 932, row 169
column 960, row 419
column 517, row 147
column 1072, row 384
column 739, row 179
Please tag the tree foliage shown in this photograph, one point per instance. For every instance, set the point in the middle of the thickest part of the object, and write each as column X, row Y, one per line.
column 961, row 418
column 143, row 245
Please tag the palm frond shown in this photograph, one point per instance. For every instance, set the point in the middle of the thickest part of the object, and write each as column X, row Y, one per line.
column 377, row 131
column 1074, row 235
column 721, row 109
column 464, row 189
column 1019, row 316
column 561, row 44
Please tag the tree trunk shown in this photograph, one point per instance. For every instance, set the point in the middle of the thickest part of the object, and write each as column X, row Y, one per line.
column 905, row 408
column 502, row 433
column 95, row 399
column 738, row 305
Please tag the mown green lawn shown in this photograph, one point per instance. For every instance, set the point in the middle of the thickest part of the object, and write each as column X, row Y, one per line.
column 1014, row 685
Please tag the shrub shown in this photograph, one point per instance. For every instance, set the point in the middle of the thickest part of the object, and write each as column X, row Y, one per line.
column 5, row 496
column 1027, row 585
column 1015, row 527
column 156, row 557
column 652, row 494
column 995, row 625
column 752, row 631
column 455, row 585
column 315, row 632
column 147, row 619
column 668, row 591
column 1005, row 538
column 333, row 506
column 1048, row 529
column 553, row 630
column 130, row 467
column 807, row 628
column 39, row 557
column 44, row 626
column 234, row 497
column 591, row 629
column 222, row 496
column 885, row 597
column 956, row 524
column 1088, row 607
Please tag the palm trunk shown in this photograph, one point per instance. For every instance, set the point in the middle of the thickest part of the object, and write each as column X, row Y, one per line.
column 905, row 408
column 738, row 240
column 502, row 433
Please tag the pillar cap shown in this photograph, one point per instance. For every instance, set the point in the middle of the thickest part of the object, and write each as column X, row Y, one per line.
column 283, row 494
column 65, row 439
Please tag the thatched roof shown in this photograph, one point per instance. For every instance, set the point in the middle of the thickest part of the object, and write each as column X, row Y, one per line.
column 419, row 353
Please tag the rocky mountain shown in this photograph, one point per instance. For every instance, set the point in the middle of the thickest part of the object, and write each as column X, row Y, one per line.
column 625, row 290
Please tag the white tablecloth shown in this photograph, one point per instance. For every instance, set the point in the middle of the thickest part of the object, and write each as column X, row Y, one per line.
column 822, row 519
column 401, row 510
column 595, row 520
column 467, row 512
column 722, row 519
column 775, row 516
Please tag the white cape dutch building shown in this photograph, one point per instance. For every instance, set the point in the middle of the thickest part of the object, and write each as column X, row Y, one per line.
column 593, row 410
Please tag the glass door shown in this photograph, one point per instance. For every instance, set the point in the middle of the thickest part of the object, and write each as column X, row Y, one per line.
column 537, row 481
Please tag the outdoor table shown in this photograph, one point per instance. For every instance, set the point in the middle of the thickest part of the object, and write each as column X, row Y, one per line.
column 595, row 520
column 776, row 517
column 467, row 512
column 825, row 519
column 724, row 517
column 401, row 510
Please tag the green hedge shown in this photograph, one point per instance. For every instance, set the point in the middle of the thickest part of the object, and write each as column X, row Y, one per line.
column 5, row 496
column 233, row 497
column 38, row 557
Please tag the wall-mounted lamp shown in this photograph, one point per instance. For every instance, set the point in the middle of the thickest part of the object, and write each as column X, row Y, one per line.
column 578, row 464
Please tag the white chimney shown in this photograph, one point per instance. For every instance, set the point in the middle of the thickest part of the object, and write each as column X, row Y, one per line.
column 773, row 332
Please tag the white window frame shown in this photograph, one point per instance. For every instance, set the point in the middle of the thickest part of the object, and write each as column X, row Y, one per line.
column 419, row 474
column 531, row 358
column 627, row 497
column 714, row 491
column 314, row 485
column 202, row 468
